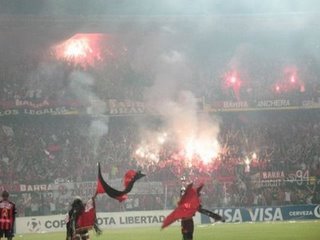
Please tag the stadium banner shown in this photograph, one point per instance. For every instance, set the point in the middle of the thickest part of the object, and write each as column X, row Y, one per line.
column 281, row 178
column 113, row 107
column 56, row 223
column 39, row 103
column 83, row 189
column 131, row 107
column 259, row 214
column 272, row 178
column 61, row 110
column 39, row 107
column 271, row 104
column 125, row 107
column 116, row 107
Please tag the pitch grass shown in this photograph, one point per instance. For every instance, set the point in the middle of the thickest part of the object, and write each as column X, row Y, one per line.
column 302, row 230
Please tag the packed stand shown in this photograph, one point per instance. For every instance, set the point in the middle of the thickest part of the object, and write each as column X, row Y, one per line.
column 51, row 149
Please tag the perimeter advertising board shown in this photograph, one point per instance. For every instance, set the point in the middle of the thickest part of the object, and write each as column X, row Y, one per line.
column 56, row 223
column 259, row 214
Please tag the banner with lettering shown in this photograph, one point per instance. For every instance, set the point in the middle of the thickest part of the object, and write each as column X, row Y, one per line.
column 39, row 107
column 118, row 107
column 259, row 214
column 61, row 110
column 56, row 223
column 271, row 104
column 83, row 189
column 281, row 178
column 131, row 107
column 272, row 178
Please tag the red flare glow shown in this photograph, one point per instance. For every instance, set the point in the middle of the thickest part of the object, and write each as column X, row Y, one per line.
column 81, row 49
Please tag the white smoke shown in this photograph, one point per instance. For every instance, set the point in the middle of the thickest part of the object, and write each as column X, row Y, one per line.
column 184, row 122
column 81, row 85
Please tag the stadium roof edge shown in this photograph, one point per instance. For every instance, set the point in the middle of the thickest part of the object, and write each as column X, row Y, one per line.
column 230, row 22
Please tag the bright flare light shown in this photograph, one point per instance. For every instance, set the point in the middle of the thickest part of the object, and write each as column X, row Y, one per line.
column 147, row 155
column 200, row 153
column 232, row 79
column 162, row 138
column 206, row 150
column 254, row 156
column 81, row 49
column 77, row 48
column 247, row 161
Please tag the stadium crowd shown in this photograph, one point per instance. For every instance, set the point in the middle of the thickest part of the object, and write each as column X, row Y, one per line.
column 254, row 77
column 60, row 149
column 65, row 149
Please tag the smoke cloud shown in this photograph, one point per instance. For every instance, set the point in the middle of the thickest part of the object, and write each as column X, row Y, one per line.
column 81, row 87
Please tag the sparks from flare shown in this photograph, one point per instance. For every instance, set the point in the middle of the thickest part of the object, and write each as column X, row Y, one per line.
column 163, row 151
column 77, row 48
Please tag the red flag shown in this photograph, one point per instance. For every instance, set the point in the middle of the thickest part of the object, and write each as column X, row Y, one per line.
column 87, row 219
column 187, row 206
column 100, row 188
column 130, row 178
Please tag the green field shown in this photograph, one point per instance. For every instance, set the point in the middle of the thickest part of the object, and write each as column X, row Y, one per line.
column 302, row 230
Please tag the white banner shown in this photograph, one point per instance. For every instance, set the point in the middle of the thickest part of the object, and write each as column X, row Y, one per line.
column 56, row 223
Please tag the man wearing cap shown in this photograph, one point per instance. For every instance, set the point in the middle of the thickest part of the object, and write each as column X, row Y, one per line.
column 7, row 216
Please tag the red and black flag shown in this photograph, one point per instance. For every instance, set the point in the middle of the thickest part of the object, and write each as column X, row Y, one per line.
column 213, row 215
column 130, row 178
column 187, row 206
column 207, row 212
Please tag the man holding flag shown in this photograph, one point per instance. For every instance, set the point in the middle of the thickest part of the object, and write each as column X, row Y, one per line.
column 187, row 207
column 187, row 225
column 82, row 217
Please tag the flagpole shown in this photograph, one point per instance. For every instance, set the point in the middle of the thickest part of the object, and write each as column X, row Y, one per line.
column 165, row 196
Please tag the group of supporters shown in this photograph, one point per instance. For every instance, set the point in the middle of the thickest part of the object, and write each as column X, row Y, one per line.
column 41, row 151
column 49, row 149
column 45, row 149
column 37, row 76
